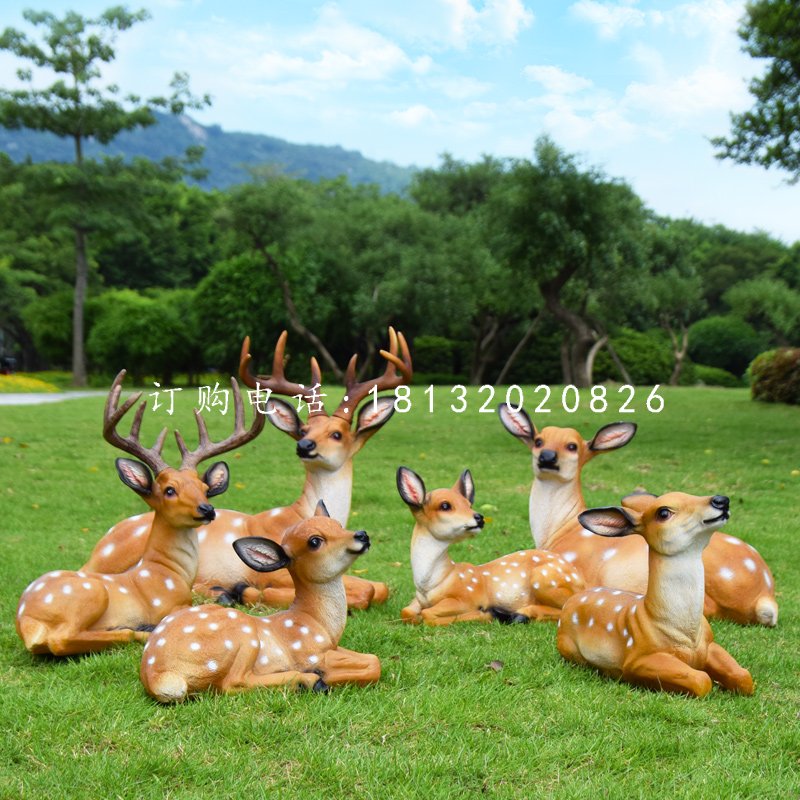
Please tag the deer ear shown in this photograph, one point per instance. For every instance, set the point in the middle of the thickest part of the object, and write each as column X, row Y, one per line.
column 465, row 485
column 638, row 501
column 612, row 521
column 217, row 477
column 284, row 417
column 135, row 475
column 374, row 415
column 517, row 423
column 262, row 555
column 411, row 487
column 613, row 436
column 321, row 510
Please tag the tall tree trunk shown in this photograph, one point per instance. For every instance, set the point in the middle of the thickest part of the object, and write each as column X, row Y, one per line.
column 623, row 370
column 294, row 317
column 367, row 362
column 566, row 363
column 531, row 329
column 679, row 349
column 484, row 347
column 79, row 301
column 595, row 349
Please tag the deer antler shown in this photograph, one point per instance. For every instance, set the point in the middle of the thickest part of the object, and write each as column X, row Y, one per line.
column 276, row 382
column 206, row 448
column 131, row 444
column 356, row 392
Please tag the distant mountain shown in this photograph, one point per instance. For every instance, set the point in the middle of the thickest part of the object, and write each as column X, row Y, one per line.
column 227, row 155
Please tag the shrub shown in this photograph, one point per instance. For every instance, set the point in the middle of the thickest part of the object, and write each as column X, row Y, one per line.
column 434, row 354
column 647, row 357
column 775, row 376
column 714, row 376
column 21, row 384
column 729, row 343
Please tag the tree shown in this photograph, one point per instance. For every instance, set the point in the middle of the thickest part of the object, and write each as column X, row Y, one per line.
column 75, row 107
column 769, row 134
column 768, row 303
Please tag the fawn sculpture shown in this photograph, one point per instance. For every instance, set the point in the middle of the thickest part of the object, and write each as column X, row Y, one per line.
column 739, row 584
column 660, row 640
column 326, row 446
column 66, row 612
column 209, row 647
column 519, row 587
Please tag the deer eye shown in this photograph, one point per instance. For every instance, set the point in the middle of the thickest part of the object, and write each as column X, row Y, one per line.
column 663, row 513
column 572, row 447
column 538, row 442
column 314, row 543
column 445, row 506
column 336, row 435
column 169, row 492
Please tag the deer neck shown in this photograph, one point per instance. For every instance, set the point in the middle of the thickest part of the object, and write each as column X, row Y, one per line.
column 430, row 560
column 335, row 488
column 552, row 505
column 676, row 591
column 324, row 602
column 174, row 549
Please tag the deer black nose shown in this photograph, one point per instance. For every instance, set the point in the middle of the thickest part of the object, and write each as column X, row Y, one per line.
column 721, row 502
column 206, row 510
column 361, row 536
column 548, row 458
column 305, row 447
column 479, row 520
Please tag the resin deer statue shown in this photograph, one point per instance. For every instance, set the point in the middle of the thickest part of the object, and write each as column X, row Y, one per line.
column 739, row 584
column 660, row 640
column 326, row 445
column 529, row 584
column 209, row 647
column 66, row 612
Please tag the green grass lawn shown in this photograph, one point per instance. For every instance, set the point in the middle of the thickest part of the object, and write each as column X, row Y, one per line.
column 441, row 723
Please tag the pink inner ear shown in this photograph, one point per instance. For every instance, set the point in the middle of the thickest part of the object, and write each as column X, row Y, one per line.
column 612, row 437
column 518, row 425
column 134, row 475
column 412, row 489
column 265, row 558
column 612, row 523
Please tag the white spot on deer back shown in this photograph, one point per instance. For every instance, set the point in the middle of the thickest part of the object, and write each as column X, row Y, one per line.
column 122, row 589
column 156, row 602
column 275, row 512
column 313, row 659
column 230, row 537
column 213, row 626
column 767, row 579
column 161, row 642
column 140, row 531
column 66, row 588
column 228, row 644
column 296, row 645
column 246, row 629
column 609, row 626
column 21, row 609
column 108, row 549
column 212, row 666
column 732, row 540
column 610, row 553
column 194, row 646
column 189, row 629
column 144, row 573
column 169, row 583
column 726, row 573
column 569, row 557
column 151, row 660
column 574, row 617
column 48, row 598
column 288, row 623
column 238, row 522
column 319, row 638
column 749, row 564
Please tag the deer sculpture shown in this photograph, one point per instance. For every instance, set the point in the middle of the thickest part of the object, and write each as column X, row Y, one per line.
column 739, row 584
column 326, row 446
column 66, row 612
column 209, row 647
column 660, row 640
column 519, row 587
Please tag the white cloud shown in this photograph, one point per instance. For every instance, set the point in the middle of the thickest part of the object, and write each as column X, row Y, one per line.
column 609, row 18
column 413, row 116
column 555, row 79
column 499, row 21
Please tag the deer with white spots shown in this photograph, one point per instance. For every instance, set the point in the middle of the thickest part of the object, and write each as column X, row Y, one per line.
column 519, row 587
column 660, row 640
column 326, row 446
column 739, row 584
column 213, row 648
column 66, row 612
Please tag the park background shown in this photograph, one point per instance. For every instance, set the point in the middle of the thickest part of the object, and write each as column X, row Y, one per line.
column 541, row 257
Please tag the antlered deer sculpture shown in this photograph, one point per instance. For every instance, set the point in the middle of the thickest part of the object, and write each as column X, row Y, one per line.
column 66, row 612
column 326, row 445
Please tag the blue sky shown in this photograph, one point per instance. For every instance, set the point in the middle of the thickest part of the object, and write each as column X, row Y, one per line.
column 635, row 88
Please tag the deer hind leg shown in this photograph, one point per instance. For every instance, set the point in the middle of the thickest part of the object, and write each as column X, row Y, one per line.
column 710, row 607
column 412, row 613
column 68, row 642
column 346, row 666
column 666, row 672
column 723, row 668
column 453, row 610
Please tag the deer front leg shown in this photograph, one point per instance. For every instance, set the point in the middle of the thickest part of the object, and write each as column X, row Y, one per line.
column 292, row 679
column 540, row 613
column 453, row 610
column 346, row 666
column 412, row 613
column 666, row 672
column 723, row 668
column 359, row 592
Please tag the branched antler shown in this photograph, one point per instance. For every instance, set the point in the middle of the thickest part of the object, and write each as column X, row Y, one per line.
column 131, row 444
column 206, row 448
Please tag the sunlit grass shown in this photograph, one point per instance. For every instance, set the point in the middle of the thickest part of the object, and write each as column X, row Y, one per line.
column 441, row 723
